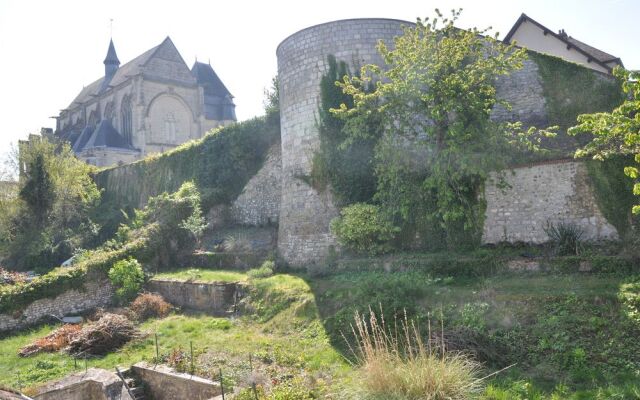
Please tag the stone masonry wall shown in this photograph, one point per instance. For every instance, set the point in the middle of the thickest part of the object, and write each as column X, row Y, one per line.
column 305, row 214
column 553, row 192
column 213, row 297
column 259, row 202
column 94, row 295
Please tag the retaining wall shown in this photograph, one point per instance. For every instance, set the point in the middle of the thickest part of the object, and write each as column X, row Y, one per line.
column 91, row 296
column 218, row 298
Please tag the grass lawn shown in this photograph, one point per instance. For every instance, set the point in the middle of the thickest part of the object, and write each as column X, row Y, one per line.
column 568, row 334
column 202, row 275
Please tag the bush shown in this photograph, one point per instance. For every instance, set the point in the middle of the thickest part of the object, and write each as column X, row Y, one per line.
column 149, row 305
column 362, row 228
column 127, row 277
column 396, row 364
column 565, row 237
column 265, row 270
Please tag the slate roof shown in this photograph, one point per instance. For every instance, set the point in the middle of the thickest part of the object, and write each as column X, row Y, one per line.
column 112, row 57
column 209, row 80
column 598, row 56
column 105, row 135
column 127, row 70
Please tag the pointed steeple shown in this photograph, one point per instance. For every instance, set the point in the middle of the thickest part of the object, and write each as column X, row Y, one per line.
column 111, row 62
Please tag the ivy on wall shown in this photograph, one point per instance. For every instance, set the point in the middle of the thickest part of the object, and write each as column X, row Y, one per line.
column 220, row 164
column 570, row 90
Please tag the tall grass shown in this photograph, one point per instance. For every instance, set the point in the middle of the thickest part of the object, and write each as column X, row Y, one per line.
column 396, row 364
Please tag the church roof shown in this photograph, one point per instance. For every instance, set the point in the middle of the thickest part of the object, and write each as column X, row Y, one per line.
column 105, row 135
column 131, row 68
column 209, row 80
column 112, row 57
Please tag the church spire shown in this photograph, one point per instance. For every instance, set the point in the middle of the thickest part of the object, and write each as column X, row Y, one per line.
column 111, row 62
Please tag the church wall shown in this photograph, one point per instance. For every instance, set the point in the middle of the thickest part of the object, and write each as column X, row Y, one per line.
column 156, row 99
column 552, row 192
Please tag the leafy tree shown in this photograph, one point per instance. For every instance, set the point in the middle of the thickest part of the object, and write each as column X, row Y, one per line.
column 127, row 276
column 616, row 132
column 435, row 95
column 38, row 192
column 57, row 194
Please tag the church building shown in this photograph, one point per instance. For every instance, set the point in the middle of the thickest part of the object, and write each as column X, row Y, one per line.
column 149, row 105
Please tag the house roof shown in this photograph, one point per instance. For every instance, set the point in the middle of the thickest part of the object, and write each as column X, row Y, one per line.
column 598, row 56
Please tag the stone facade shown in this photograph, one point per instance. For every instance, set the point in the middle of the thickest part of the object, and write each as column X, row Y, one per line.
column 93, row 295
column 552, row 192
column 149, row 105
column 304, row 234
column 259, row 202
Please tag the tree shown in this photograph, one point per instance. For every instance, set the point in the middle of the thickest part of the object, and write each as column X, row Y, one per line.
column 434, row 95
column 616, row 132
column 38, row 192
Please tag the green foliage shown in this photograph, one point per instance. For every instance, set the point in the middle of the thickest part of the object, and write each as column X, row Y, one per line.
column 434, row 97
column 265, row 270
column 566, row 237
column 220, row 164
column 53, row 218
column 38, row 192
column 614, row 191
column 127, row 277
column 571, row 89
column 362, row 227
column 343, row 162
column 630, row 297
column 616, row 132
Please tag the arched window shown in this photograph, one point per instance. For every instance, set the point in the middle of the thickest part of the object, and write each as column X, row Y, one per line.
column 125, row 113
column 108, row 112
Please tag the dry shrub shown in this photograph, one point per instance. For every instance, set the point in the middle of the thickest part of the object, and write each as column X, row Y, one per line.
column 149, row 305
column 12, row 277
column 55, row 341
column 109, row 333
column 395, row 364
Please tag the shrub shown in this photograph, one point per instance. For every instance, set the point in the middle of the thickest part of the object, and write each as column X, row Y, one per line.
column 265, row 270
column 565, row 237
column 149, row 305
column 630, row 297
column 127, row 277
column 396, row 364
column 362, row 228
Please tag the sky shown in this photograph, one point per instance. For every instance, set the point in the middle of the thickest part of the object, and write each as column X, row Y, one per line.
column 50, row 49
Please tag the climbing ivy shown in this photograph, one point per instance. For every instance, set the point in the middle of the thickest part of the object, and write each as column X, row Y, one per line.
column 570, row 90
column 220, row 164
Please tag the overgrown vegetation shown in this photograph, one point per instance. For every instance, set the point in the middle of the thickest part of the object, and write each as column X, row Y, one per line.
column 155, row 237
column 363, row 228
column 615, row 133
column 219, row 164
column 50, row 219
column 127, row 277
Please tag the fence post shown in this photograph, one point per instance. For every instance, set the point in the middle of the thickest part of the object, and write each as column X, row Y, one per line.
column 221, row 384
column 157, row 351
column 253, row 382
column 191, row 345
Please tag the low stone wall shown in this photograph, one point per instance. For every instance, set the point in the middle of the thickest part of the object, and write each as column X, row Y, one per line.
column 553, row 192
column 163, row 383
column 93, row 295
column 94, row 384
column 218, row 298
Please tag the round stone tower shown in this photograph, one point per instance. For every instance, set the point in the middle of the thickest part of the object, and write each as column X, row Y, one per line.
column 305, row 214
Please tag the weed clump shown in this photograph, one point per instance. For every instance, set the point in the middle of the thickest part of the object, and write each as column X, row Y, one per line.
column 149, row 305
column 396, row 364
column 265, row 270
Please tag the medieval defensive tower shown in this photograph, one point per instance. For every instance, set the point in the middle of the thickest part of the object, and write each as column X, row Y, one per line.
column 304, row 233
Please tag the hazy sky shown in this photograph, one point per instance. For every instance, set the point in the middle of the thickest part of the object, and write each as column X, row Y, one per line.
column 50, row 49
